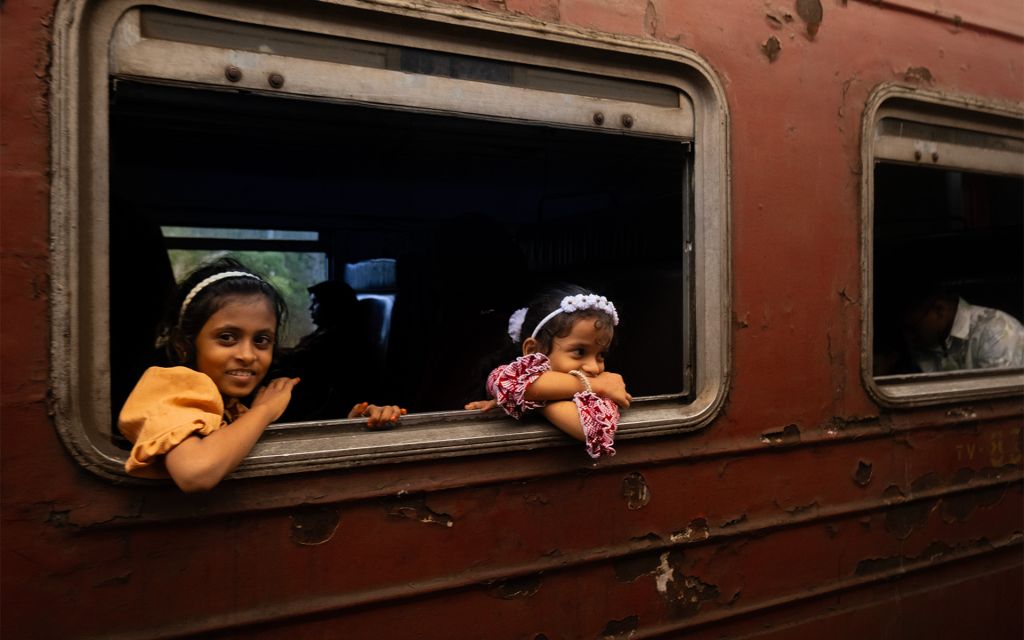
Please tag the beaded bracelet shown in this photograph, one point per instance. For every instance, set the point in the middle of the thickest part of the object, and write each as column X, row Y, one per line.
column 583, row 378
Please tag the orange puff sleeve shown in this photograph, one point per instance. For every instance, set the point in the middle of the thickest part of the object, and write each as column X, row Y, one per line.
column 167, row 406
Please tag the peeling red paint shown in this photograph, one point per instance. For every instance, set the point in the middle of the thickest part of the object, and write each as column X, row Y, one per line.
column 789, row 435
column 618, row 629
column 635, row 491
column 771, row 48
column 862, row 474
column 514, row 588
column 811, row 13
column 417, row 509
column 918, row 74
column 313, row 526
column 696, row 530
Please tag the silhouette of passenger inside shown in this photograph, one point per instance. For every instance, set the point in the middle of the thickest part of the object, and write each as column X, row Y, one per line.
column 333, row 362
column 946, row 333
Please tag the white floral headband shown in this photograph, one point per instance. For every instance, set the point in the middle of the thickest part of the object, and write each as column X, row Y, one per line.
column 569, row 304
column 207, row 282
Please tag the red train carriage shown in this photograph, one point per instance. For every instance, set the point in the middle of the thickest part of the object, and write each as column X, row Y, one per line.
column 753, row 184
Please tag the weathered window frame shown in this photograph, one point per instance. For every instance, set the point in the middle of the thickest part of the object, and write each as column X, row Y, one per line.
column 929, row 108
column 79, row 219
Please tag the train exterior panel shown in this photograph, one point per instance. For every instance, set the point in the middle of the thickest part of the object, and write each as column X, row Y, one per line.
column 795, row 494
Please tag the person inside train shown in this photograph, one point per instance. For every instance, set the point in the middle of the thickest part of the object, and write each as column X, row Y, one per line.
column 946, row 333
column 188, row 422
column 330, row 390
column 561, row 367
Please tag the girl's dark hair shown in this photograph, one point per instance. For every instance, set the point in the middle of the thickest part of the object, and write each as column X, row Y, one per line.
column 560, row 325
column 179, row 336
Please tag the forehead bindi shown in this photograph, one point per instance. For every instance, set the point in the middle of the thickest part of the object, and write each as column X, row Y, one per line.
column 585, row 331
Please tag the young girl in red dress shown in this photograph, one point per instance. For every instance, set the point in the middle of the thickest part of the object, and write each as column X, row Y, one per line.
column 561, row 371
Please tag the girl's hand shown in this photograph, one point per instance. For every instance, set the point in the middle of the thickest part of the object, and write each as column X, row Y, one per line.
column 482, row 405
column 612, row 386
column 274, row 397
column 385, row 416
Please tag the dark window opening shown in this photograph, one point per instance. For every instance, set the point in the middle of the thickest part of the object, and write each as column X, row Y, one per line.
column 471, row 215
column 947, row 230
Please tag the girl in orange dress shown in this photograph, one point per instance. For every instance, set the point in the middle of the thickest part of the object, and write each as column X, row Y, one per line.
column 187, row 422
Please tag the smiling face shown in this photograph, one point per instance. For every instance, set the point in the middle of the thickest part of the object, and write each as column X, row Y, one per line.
column 236, row 345
column 584, row 349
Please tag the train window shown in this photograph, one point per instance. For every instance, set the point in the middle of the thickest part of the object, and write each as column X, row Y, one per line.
column 440, row 166
column 946, row 229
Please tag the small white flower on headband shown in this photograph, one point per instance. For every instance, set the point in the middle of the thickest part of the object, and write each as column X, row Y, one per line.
column 580, row 302
column 515, row 324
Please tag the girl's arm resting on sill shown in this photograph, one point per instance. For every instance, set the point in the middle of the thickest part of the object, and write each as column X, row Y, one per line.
column 564, row 415
column 554, row 385
column 199, row 464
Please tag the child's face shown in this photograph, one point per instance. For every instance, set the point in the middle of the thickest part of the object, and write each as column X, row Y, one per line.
column 236, row 345
column 584, row 348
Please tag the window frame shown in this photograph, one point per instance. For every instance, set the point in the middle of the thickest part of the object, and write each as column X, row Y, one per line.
column 929, row 108
column 79, row 242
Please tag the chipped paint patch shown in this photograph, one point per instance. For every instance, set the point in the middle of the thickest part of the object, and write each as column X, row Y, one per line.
column 684, row 593
column 798, row 509
column 771, row 48
column 902, row 520
column 692, row 594
column 651, row 19
column 314, row 526
column 957, row 508
column 965, row 413
column 697, row 530
column 920, row 75
column 740, row 519
column 515, row 588
column 789, row 435
column 651, row 538
column 869, row 566
column 618, row 629
column 862, row 474
column 811, row 13
column 937, row 549
column 635, row 491
column 665, row 573
column 417, row 509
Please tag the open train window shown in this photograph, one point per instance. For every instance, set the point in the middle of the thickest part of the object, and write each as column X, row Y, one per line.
column 946, row 239
column 440, row 165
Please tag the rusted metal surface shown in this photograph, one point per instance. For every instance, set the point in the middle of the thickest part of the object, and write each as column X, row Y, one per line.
column 804, row 510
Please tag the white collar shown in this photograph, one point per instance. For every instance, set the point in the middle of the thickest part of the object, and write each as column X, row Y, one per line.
column 961, row 328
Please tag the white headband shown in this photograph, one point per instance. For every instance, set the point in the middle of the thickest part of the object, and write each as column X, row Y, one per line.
column 208, row 281
column 569, row 304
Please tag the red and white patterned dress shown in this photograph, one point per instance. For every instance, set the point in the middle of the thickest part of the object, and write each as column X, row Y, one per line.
column 599, row 417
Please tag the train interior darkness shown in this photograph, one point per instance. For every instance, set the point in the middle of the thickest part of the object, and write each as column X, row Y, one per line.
column 945, row 230
column 452, row 221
